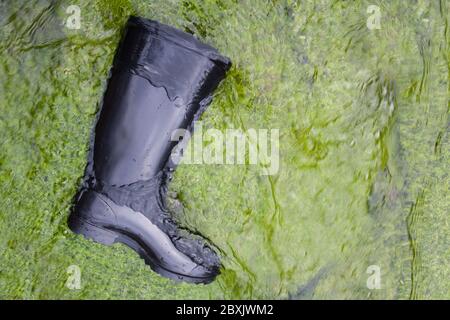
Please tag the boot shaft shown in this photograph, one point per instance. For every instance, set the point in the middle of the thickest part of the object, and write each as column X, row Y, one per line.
column 158, row 81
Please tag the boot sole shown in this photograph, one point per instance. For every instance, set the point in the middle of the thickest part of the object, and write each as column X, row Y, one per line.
column 108, row 235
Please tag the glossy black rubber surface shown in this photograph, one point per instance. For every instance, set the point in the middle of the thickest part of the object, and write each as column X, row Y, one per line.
column 161, row 80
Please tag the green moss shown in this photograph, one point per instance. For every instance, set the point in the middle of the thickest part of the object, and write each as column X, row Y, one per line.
column 363, row 120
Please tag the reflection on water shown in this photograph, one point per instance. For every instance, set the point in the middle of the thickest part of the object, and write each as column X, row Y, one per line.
column 364, row 157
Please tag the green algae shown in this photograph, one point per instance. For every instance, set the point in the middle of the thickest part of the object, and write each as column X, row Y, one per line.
column 364, row 157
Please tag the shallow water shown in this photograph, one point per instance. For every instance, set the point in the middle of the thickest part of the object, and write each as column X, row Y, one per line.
column 364, row 150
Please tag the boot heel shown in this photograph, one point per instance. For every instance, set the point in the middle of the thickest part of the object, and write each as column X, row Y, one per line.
column 90, row 231
column 88, row 217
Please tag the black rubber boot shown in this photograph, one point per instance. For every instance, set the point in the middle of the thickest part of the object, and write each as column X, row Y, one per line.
column 161, row 80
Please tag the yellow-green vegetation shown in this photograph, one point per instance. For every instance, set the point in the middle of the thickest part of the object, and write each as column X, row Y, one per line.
column 364, row 149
